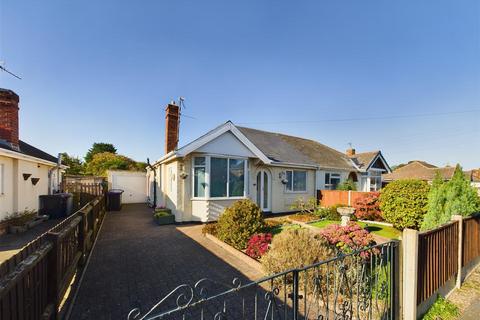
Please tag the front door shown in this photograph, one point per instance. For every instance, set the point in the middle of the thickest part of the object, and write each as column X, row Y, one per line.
column 263, row 190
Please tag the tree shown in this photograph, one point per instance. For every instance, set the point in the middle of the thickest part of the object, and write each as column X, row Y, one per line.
column 101, row 162
column 75, row 165
column 460, row 197
column 436, row 204
column 99, row 147
column 445, row 199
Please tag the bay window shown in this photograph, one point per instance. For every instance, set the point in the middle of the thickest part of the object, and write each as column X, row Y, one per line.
column 332, row 180
column 199, row 177
column 296, row 180
column 226, row 177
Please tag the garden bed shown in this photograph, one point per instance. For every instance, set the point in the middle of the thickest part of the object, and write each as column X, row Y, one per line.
column 251, row 262
column 379, row 229
column 163, row 216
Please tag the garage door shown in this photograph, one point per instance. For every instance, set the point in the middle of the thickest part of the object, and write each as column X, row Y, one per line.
column 134, row 186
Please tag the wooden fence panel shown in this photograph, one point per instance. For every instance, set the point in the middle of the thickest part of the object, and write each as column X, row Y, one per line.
column 328, row 198
column 437, row 259
column 33, row 282
column 470, row 239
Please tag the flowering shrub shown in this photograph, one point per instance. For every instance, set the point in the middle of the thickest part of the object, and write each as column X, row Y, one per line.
column 368, row 207
column 258, row 245
column 349, row 238
column 239, row 222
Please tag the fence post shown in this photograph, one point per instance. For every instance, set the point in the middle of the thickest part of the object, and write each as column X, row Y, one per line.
column 349, row 198
column 410, row 269
column 459, row 218
column 295, row 295
column 53, row 274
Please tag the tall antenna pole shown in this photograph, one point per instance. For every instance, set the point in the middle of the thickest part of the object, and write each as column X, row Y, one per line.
column 11, row 73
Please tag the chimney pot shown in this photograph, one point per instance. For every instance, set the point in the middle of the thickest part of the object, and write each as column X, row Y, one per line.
column 172, row 121
column 9, row 118
column 350, row 152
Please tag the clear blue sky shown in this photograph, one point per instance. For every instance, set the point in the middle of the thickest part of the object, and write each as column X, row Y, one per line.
column 404, row 76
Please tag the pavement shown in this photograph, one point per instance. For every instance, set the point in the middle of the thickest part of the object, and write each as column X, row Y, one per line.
column 10, row 244
column 136, row 263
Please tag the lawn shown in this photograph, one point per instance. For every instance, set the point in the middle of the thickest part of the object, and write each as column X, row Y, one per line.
column 276, row 230
column 378, row 229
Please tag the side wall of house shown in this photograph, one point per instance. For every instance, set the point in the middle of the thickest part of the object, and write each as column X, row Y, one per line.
column 19, row 194
column 7, row 192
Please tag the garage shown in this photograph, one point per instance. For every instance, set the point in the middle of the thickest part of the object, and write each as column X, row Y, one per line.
column 133, row 183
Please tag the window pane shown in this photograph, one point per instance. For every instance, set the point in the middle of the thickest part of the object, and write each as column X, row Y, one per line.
column 236, row 178
column 199, row 161
column 290, row 180
column 327, row 178
column 335, row 182
column 218, row 177
column 299, row 180
column 199, row 182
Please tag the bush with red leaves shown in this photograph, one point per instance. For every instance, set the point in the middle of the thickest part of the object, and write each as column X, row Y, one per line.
column 347, row 239
column 258, row 245
column 368, row 207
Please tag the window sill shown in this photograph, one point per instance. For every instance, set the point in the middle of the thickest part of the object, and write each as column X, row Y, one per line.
column 296, row 192
column 218, row 198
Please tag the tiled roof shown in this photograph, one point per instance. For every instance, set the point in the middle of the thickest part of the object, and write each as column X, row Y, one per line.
column 363, row 159
column 30, row 150
column 421, row 170
column 289, row 149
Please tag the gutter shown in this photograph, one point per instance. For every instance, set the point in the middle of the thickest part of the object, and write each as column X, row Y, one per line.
column 22, row 156
column 154, row 183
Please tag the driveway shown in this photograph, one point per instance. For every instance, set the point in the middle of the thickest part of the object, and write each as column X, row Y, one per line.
column 136, row 263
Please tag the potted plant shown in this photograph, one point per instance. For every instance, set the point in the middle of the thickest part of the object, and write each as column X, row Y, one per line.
column 163, row 215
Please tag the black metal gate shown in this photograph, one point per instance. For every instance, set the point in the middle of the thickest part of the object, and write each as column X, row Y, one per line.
column 359, row 285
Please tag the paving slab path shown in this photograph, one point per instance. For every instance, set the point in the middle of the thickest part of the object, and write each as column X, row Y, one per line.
column 136, row 263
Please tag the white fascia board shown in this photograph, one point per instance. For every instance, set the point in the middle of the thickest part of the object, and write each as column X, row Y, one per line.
column 21, row 156
column 292, row 165
column 379, row 155
column 338, row 169
column 218, row 131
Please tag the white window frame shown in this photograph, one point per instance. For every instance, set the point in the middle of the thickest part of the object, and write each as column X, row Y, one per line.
column 329, row 185
column 291, row 182
column 377, row 175
column 207, row 177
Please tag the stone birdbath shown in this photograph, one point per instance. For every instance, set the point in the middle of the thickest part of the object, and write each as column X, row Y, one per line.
column 345, row 212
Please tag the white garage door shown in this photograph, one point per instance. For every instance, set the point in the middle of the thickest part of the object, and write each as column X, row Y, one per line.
column 134, row 186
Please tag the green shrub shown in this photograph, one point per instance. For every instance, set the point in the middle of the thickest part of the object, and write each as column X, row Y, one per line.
column 404, row 203
column 295, row 248
column 21, row 218
column 347, row 185
column 210, row 228
column 445, row 199
column 159, row 214
column 330, row 213
column 239, row 222
column 442, row 309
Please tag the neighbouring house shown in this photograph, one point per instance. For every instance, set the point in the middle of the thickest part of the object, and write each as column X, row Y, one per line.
column 200, row 179
column 25, row 171
column 422, row 170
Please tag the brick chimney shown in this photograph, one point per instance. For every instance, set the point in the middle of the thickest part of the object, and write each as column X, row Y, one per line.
column 172, row 121
column 350, row 152
column 9, row 118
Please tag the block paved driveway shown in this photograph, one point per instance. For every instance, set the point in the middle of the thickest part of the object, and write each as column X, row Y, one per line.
column 136, row 263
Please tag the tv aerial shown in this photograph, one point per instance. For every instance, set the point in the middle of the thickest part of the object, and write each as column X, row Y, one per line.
column 2, row 67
